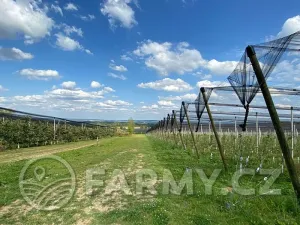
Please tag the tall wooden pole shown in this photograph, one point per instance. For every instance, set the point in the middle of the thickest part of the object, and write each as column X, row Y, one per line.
column 257, row 133
column 180, row 134
column 292, row 131
column 191, row 130
column 214, row 128
column 275, row 120
column 172, row 128
column 54, row 129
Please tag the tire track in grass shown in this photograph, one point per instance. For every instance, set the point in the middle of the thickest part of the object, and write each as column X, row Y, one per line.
column 14, row 157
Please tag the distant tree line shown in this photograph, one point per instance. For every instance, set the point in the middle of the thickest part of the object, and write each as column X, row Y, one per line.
column 26, row 132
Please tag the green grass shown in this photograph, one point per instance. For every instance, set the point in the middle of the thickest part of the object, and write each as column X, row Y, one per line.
column 131, row 154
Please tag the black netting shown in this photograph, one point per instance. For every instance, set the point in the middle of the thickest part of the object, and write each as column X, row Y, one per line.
column 243, row 79
column 200, row 104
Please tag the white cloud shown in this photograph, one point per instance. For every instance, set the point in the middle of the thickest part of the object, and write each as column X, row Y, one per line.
column 220, row 68
column 207, row 83
column 286, row 71
column 33, row 74
column 119, row 11
column 151, row 107
column 167, row 84
column 88, row 52
column 89, row 17
column 73, row 94
column 70, row 100
column 96, row 84
column 25, row 18
column 72, row 29
column 14, row 54
column 69, row 92
column 2, row 89
column 57, row 9
column 115, row 67
column 121, row 77
column 165, row 58
column 117, row 103
column 186, row 97
column 68, row 44
column 109, row 89
column 71, row 7
column 165, row 103
column 69, row 85
column 126, row 58
column 202, row 75
column 290, row 26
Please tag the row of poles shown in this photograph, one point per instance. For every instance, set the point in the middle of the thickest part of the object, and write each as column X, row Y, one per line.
column 287, row 152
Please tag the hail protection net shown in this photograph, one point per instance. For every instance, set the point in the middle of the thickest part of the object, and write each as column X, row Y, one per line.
column 200, row 104
column 243, row 79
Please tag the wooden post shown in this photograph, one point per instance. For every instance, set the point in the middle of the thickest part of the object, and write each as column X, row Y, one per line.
column 191, row 130
column 167, row 127
column 292, row 131
column 214, row 128
column 172, row 128
column 54, row 129
column 180, row 134
column 257, row 133
column 275, row 120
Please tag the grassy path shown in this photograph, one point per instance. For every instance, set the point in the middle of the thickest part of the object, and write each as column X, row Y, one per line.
column 27, row 153
column 130, row 154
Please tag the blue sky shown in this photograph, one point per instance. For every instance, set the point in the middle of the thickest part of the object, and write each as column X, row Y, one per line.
column 116, row 59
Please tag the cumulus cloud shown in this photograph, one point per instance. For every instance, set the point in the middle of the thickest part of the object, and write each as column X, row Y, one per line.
column 14, row 54
column 117, row 103
column 165, row 103
column 116, row 76
column 96, row 84
column 25, row 18
column 126, row 58
column 71, row 7
column 119, row 12
column 68, row 44
column 220, row 68
column 186, row 97
column 166, row 58
column 72, row 29
column 151, row 107
column 33, row 74
column 71, row 99
column 109, row 89
column 115, row 67
column 207, row 83
column 70, row 85
column 89, row 17
column 290, row 26
column 57, row 9
column 167, row 84
column 287, row 70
